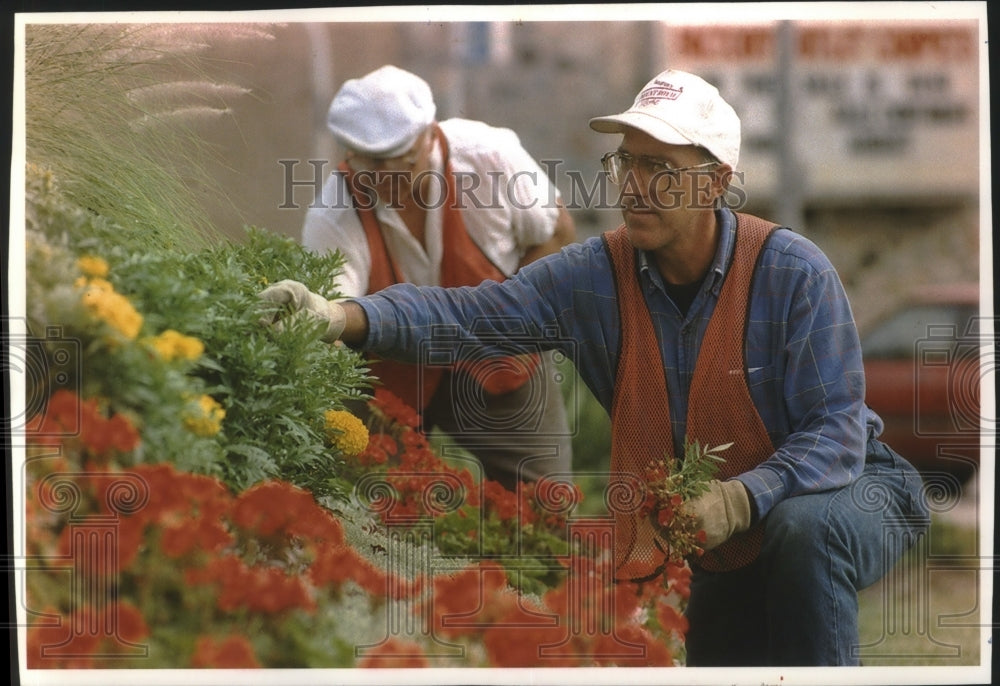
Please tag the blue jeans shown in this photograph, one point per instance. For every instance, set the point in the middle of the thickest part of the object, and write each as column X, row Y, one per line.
column 797, row 603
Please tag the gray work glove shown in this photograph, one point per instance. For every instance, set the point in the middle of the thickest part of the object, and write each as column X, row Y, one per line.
column 299, row 299
column 722, row 511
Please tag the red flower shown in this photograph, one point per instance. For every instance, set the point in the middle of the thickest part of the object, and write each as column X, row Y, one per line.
column 417, row 455
column 589, row 597
column 679, row 577
column 67, row 415
column 180, row 498
column 121, row 435
column 61, row 418
column 131, row 624
column 161, row 488
column 367, row 575
column 265, row 509
column 271, row 591
column 332, row 566
column 471, row 486
column 100, row 435
column 259, row 589
column 189, row 508
column 670, row 619
column 337, row 564
column 394, row 653
column 656, row 473
column 394, row 408
column 52, row 637
column 279, row 508
column 79, row 640
column 380, row 448
column 200, row 534
column 470, row 600
column 629, row 645
column 498, row 499
column 525, row 636
column 232, row 652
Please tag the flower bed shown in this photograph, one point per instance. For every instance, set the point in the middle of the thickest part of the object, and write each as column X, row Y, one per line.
column 200, row 491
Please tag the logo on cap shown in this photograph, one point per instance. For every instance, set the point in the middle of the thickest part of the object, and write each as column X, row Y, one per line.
column 661, row 90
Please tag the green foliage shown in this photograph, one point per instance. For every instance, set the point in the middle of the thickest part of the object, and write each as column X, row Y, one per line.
column 79, row 353
column 274, row 386
column 533, row 559
column 700, row 465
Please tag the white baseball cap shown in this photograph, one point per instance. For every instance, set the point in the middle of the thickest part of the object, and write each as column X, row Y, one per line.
column 382, row 113
column 681, row 109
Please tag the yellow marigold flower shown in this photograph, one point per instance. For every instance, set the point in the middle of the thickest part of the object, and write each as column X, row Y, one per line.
column 112, row 308
column 207, row 419
column 97, row 284
column 92, row 266
column 347, row 433
column 189, row 348
column 173, row 345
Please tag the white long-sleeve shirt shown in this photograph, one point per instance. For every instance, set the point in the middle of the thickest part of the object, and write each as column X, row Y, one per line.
column 509, row 205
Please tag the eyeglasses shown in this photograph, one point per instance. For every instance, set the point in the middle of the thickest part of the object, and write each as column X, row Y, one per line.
column 399, row 163
column 618, row 164
column 364, row 163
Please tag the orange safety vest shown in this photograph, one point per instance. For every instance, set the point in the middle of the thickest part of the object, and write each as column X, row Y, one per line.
column 463, row 263
column 720, row 408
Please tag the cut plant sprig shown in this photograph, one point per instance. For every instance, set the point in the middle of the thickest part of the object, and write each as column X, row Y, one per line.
column 671, row 484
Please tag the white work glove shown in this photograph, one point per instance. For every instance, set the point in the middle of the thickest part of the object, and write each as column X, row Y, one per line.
column 299, row 299
column 721, row 511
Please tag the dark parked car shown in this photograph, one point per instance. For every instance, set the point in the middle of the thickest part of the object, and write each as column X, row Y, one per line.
column 923, row 369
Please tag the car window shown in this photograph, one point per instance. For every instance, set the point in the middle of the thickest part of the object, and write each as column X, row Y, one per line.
column 897, row 337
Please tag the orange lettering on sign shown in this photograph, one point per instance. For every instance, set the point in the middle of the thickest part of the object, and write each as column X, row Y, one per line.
column 725, row 42
column 833, row 42
column 935, row 43
column 829, row 43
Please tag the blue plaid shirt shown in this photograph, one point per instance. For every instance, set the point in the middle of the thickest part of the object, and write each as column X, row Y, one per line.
column 802, row 349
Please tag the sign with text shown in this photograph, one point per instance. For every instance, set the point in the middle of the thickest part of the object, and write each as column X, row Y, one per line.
column 877, row 109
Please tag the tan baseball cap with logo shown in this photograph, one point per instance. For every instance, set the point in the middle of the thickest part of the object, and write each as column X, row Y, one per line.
column 681, row 109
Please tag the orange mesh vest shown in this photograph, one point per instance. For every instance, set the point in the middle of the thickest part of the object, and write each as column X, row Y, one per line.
column 463, row 263
column 720, row 409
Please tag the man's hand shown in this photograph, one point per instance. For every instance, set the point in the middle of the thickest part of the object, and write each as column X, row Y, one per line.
column 722, row 511
column 297, row 298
